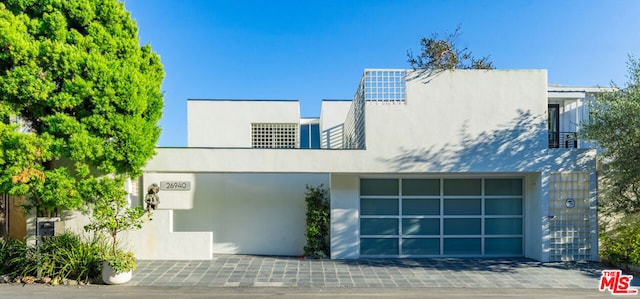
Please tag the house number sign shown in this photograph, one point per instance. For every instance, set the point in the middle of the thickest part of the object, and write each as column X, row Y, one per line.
column 175, row 185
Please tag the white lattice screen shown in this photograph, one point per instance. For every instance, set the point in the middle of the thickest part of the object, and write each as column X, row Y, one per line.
column 274, row 135
column 570, row 237
column 385, row 86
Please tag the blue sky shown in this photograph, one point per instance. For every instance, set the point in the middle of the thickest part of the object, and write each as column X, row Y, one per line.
column 314, row 50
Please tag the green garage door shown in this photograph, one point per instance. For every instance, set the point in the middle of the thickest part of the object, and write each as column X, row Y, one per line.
column 441, row 217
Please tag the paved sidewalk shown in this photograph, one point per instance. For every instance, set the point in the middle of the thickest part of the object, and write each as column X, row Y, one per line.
column 268, row 271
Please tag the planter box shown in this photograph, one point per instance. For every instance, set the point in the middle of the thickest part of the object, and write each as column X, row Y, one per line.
column 111, row 277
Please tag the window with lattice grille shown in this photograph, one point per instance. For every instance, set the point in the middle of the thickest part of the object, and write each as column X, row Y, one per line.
column 274, row 135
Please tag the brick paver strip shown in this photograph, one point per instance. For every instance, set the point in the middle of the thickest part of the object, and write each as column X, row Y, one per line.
column 269, row 271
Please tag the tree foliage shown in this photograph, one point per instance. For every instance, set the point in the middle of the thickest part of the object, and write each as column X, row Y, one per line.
column 615, row 124
column 444, row 54
column 79, row 96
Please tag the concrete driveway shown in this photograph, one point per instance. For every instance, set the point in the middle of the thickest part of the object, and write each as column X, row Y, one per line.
column 246, row 276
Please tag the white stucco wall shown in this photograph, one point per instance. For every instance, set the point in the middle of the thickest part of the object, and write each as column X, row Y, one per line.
column 345, row 206
column 227, row 123
column 534, row 216
column 156, row 240
column 333, row 112
column 474, row 159
column 332, row 116
column 455, row 121
column 452, row 111
column 248, row 213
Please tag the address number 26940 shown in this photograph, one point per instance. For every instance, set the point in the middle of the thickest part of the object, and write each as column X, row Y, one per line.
column 175, row 185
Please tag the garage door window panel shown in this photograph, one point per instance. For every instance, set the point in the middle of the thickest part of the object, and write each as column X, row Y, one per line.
column 379, row 187
column 420, row 226
column 426, row 246
column 462, row 226
column 425, row 187
column 462, row 187
column 503, row 246
column 503, row 206
column 462, row 206
column 462, row 246
column 418, row 206
column 378, row 246
column 379, row 206
column 379, row 226
column 503, row 186
column 503, row 226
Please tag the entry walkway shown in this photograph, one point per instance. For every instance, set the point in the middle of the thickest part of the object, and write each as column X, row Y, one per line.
column 268, row 271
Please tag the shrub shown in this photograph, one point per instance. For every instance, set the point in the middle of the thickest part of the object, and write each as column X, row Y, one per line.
column 66, row 256
column 70, row 257
column 123, row 261
column 622, row 244
column 111, row 215
column 317, row 222
column 10, row 249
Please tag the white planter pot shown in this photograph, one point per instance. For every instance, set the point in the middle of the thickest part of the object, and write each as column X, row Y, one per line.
column 111, row 277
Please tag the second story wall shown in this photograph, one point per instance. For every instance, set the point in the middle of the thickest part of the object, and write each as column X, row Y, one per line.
column 228, row 123
column 462, row 111
column 332, row 116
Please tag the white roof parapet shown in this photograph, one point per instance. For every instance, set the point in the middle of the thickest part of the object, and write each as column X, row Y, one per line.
column 575, row 92
column 586, row 89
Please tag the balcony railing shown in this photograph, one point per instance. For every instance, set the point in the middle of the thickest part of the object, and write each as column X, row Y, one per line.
column 563, row 140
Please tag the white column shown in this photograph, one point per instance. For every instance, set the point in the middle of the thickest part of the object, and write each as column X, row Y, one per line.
column 345, row 226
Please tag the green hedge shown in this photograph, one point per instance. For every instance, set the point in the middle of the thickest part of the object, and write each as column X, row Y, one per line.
column 317, row 231
column 622, row 244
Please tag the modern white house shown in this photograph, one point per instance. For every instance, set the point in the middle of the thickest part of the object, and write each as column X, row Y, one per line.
column 462, row 163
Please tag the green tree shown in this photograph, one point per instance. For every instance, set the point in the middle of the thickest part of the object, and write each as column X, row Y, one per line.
column 79, row 97
column 615, row 125
column 444, row 54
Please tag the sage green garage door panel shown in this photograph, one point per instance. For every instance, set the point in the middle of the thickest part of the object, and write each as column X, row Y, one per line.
column 462, row 246
column 503, row 246
column 379, row 246
column 378, row 226
column 422, row 246
column 420, row 226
